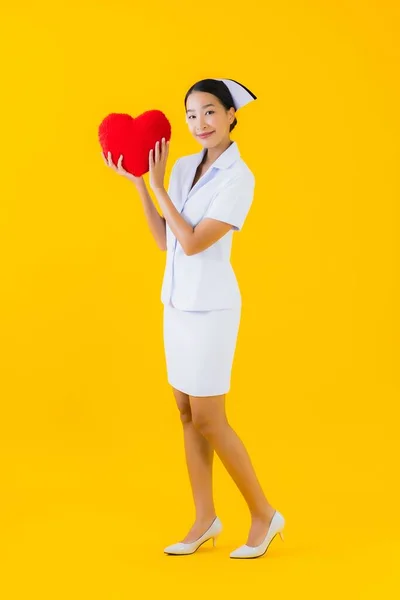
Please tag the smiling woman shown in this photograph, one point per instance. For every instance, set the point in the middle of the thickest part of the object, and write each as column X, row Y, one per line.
column 211, row 192
column 224, row 95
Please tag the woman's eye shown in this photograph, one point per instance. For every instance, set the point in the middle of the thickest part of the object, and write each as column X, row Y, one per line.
column 209, row 111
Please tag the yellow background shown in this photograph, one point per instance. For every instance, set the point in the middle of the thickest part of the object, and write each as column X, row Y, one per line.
column 93, row 480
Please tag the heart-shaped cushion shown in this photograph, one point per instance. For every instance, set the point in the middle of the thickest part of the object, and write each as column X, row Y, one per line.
column 134, row 138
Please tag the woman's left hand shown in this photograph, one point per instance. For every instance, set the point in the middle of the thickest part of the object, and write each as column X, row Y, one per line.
column 157, row 164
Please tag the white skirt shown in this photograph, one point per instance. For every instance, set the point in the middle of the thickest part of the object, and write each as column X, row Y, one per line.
column 199, row 349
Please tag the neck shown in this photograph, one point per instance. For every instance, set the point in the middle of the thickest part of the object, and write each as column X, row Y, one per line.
column 212, row 154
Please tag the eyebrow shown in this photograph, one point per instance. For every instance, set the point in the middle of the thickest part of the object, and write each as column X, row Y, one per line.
column 205, row 106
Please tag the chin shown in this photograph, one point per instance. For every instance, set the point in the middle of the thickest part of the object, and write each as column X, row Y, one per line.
column 211, row 141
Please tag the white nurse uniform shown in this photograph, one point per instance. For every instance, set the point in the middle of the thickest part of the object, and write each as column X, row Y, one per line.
column 200, row 293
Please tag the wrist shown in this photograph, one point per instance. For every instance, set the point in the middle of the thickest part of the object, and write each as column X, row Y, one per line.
column 138, row 181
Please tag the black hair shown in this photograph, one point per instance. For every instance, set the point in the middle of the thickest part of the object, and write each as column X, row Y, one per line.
column 218, row 89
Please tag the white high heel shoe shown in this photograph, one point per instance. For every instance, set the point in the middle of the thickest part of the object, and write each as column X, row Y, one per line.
column 182, row 548
column 276, row 526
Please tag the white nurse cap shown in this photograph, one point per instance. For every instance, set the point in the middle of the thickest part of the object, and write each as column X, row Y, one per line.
column 241, row 95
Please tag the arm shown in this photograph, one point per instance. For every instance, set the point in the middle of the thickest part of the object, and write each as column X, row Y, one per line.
column 192, row 239
column 155, row 221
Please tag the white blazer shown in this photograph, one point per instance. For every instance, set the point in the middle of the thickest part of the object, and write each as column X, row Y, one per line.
column 206, row 280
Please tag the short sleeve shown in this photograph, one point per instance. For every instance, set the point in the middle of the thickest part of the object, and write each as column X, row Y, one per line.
column 232, row 202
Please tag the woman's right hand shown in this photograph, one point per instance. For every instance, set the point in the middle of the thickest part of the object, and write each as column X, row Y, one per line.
column 118, row 168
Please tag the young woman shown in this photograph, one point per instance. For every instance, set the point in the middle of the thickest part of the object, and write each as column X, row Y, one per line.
column 209, row 196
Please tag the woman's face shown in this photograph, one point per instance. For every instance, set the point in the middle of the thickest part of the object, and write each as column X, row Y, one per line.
column 206, row 114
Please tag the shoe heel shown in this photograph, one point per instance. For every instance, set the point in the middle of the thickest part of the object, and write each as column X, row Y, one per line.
column 281, row 534
column 214, row 540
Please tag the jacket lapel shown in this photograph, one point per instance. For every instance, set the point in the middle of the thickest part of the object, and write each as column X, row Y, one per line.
column 190, row 175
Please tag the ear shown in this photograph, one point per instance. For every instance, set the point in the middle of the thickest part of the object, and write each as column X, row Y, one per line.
column 231, row 113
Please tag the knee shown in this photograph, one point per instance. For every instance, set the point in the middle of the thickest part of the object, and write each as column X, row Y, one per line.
column 202, row 424
column 185, row 414
column 183, row 404
column 207, row 425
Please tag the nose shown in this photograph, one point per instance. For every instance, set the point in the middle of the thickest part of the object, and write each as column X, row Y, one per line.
column 201, row 124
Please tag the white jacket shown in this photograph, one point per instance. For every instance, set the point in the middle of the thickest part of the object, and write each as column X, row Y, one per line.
column 206, row 280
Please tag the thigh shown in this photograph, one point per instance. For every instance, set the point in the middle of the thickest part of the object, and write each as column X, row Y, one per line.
column 208, row 410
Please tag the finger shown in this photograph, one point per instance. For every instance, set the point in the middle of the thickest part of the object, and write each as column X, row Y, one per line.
column 157, row 153
column 110, row 162
column 166, row 149
column 151, row 158
column 119, row 163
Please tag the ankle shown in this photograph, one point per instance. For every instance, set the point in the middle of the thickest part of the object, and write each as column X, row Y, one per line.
column 205, row 518
column 263, row 514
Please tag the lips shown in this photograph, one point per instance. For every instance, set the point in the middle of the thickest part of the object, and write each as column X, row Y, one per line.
column 203, row 136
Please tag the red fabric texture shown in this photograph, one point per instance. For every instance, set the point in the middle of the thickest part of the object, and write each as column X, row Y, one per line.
column 133, row 137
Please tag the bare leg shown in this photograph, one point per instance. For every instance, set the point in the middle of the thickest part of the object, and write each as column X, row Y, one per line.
column 199, row 459
column 209, row 417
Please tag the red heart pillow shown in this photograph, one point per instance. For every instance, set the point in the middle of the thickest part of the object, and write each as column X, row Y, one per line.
column 134, row 138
